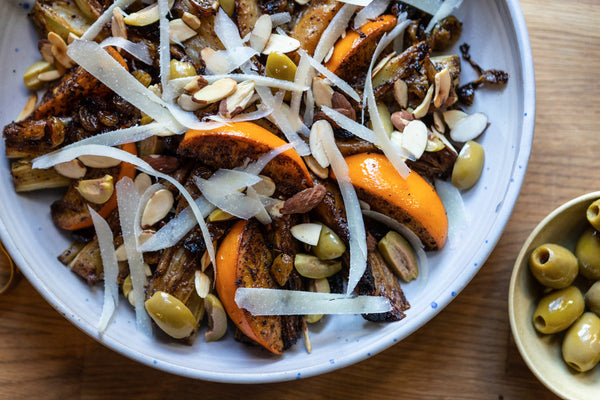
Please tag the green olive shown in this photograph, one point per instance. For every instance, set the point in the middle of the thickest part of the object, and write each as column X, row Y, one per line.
column 587, row 252
column 581, row 345
column 592, row 298
column 181, row 69
column 311, row 267
column 558, row 310
column 468, row 166
column 330, row 246
column 171, row 315
column 593, row 214
column 280, row 66
column 30, row 76
column 553, row 265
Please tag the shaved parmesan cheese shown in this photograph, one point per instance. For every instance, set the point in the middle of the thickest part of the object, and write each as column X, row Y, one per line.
column 177, row 228
column 429, row 6
column 309, row 106
column 356, row 226
column 458, row 219
column 372, row 11
column 336, row 80
column 257, row 166
column 350, row 125
column 410, row 236
column 97, row 26
column 138, row 50
column 334, row 30
column 257, row 79
column 292, row 302
column 164, row 49
column 224, row 61
column 110, row 266
column 93, row 58
column 382, row 139
column 360, row 3
column 262, row 215
column 59, row 156
column 446, row 8
column 144, row 198
column 250, row 116
column 302, row 78
column 229, row 35
column 127, row 200
column 281, row 18
column 122, row 136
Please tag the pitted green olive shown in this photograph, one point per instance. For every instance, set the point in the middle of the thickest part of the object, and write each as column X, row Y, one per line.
column 312, row 267
column 171, row 315
column 318, row 286
column 280, row 66
column 558, row 310
column 592, row 298
column 593, row 214
column 330, row 246
column 181, row 69
column 468, row 166
column 553, row 265
column 587, row 252
column 581, row 345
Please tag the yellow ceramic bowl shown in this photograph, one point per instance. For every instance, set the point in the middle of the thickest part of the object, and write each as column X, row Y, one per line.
column 542, row 353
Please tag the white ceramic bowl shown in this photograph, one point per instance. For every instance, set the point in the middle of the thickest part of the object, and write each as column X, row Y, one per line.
column 542, row 353
column 28, row 232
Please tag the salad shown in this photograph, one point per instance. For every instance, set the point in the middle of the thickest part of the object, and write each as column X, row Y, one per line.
column 259, row 162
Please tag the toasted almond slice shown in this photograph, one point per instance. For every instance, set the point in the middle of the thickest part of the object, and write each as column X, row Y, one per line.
column 261, row 32
column 142, row 182
column 157, row 207
column 401, row 93
column 96, row 191
column 145, row 235
column 443, row 84
column 281, row 43
column 191, row 20
column 45, row 48
column 469, row 127
column 438, row 122
column 195, row 84
column 219, row 215
column 328, row 56
column 216, row 91
column 308, row 233
column 414, row 138
column 453, row 116
column 322, row 92
column 28, row 109
column 364, row 205
column 71, row 38
column 423, row 108
column 179, row 31
column 382, row 63
column 319, row 128
column 145, row 16
column 187, row 104
column 239, row 100
column 434, row 143
column 121, row 253
column 315, row 167
column 202, row 284
column 73, row 169
column 99, row 161
column 48, row 76
column 118, row 27
column 266, row 186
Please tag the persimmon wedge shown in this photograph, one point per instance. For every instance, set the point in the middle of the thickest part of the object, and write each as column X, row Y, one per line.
column 412, row 201
column 231, row 145
column 352, row 53
column 244, row 260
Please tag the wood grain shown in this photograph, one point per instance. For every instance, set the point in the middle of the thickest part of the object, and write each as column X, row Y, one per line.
column 466, row 352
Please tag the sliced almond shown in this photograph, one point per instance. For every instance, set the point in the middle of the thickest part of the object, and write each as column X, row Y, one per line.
column 382, row 63
column 319, row 128
column 414, row 138
column 179, row 31
column 423, row 108
column 281, row 43
column 328, row 56
column 145, row 16
column 401, row 93
column 72, row 37
column 302, row 2
column 118, row 27
column 239, row 100
column 156, row 89
column 99, row 161
column 364, row 205
column 191, row 20
column 73, row 169
column 59, row 50
column 216, row 91
column 45, row 48
column 438, row 122
column 49, row 76
column 400, row 119
column 96, row 191
column 142, row 182
column 274, row 208
column 259, row 36
column 186, row 103
column 322, row 92
column 266, row 186
column 145, row 235
column 205, row 261
column 121, row 253
column 443, row 84
column 197, row 83
column 217, row 318
column 453, row 116
column 434, row 143
column 316, row 168
column 469, row 127
column 202, row 284
column 308, row 233
column 157, row 207
column 219, row 215
column 28, row 109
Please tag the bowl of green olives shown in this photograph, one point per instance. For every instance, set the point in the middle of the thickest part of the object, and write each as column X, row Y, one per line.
column 554, row 299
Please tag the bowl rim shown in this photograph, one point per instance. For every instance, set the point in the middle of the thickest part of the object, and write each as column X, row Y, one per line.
column 523, row 151
column 513, row 283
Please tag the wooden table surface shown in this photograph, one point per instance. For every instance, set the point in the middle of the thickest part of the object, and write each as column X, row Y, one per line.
column 466, row 352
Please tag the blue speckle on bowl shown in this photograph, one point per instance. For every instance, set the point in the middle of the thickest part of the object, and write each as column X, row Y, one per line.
column 453, row 293
column 155, row 362
column 332, row 361
column 434, row 305
column 298, row 375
